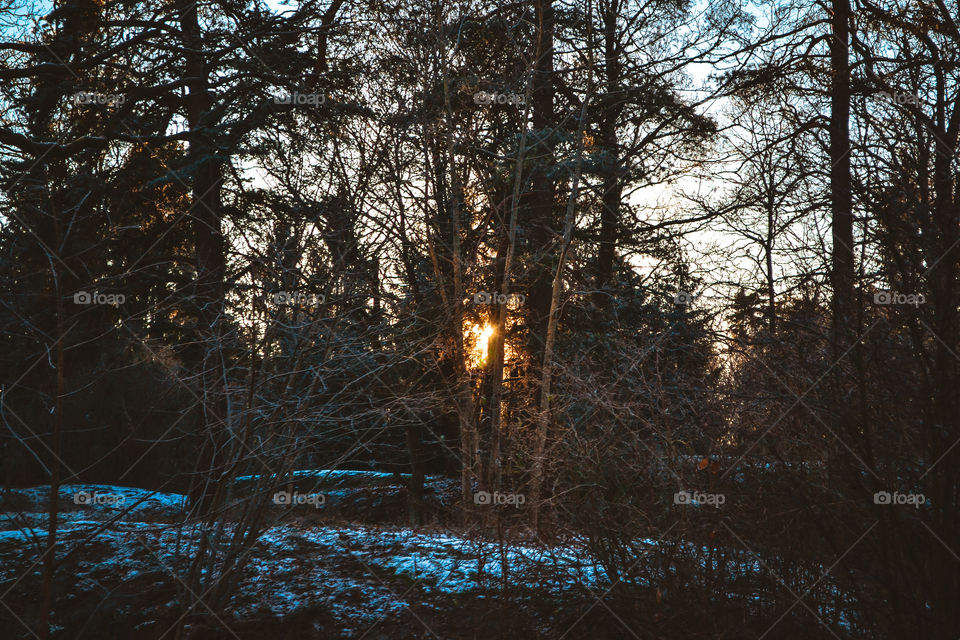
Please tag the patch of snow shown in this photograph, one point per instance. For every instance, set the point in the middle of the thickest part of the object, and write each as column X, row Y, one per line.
column 107, row 497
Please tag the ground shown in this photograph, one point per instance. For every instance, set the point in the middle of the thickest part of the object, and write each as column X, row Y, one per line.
column 313, row 574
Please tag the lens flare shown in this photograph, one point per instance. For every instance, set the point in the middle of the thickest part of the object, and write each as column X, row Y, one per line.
column 477, row 341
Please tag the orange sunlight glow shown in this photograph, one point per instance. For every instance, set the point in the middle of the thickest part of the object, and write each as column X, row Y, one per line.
column 477, row 338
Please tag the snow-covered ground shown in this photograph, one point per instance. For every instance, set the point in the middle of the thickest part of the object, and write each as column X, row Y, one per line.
column 102, row 496
column 357, row 573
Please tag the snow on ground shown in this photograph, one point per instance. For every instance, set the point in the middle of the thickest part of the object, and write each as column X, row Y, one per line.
column 359, row 574
column 452, row 564
column 94, row 497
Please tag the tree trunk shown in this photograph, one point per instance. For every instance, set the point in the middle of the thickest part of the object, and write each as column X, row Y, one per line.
column 415, row 449
column 612, row 185
column 50, row 555
column 540, row 228
column 943, row 432
column 543, row 415
column 841, row 198
column 206, row 214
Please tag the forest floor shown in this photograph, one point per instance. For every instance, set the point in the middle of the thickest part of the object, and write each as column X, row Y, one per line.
column 317, row 572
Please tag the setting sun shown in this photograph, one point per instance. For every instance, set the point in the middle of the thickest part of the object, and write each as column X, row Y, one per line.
column 477, row 340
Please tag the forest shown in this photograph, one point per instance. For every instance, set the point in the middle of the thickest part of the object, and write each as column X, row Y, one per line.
column 516, row 319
